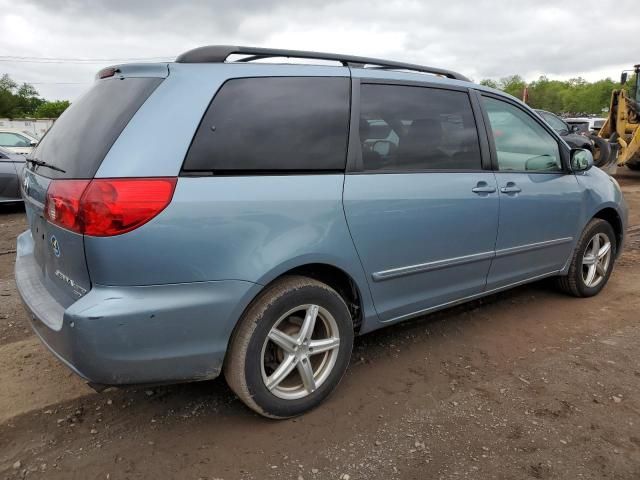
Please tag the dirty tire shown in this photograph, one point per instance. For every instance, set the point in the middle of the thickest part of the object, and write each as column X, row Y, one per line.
column 243, row 363
column 602, row 151
column 573, row 283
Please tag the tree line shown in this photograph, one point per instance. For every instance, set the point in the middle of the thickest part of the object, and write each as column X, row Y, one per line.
column 575, row 97
column 24, row 101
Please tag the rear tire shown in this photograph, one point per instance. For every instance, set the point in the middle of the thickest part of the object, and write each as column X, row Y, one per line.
column 592, row 260
column 276, row 365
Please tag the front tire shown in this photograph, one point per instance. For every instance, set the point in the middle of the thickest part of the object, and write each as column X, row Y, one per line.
column 592, row 261
column 291, row 348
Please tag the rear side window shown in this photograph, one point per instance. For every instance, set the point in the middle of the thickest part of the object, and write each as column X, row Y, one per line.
column 274, row 124
column 417, row 128
column 80, row 139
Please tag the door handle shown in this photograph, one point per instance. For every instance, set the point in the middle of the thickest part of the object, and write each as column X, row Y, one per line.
column 511, row 187
column 483, row 187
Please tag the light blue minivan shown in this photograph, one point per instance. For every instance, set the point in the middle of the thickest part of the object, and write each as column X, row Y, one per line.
column 226, row 214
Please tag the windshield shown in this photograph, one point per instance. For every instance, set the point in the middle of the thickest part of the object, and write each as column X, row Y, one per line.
column 80, row 139
column 555, row 123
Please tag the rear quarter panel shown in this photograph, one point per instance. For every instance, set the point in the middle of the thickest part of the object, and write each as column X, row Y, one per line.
column 251, row 228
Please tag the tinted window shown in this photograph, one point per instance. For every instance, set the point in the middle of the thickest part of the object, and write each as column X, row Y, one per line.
column 521, row 143
column 271, row 124
column 80, row 139
column 426, row 128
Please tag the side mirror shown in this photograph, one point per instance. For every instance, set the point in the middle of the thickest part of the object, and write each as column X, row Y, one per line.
column 33, row 143
column 574, row 128
column 623, row 78
column 581, row 160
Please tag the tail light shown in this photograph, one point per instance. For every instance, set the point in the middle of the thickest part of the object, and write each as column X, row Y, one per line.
column 62, row 205
column 107, row 207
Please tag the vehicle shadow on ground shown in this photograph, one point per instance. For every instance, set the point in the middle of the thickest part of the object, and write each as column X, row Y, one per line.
column 7, row 208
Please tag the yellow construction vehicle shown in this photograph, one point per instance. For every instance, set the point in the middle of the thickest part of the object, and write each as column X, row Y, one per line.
column 622, row 127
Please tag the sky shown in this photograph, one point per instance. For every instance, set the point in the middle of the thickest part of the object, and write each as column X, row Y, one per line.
column 481, row 39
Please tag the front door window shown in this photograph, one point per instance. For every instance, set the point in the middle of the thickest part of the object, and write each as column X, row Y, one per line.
column 522, row 145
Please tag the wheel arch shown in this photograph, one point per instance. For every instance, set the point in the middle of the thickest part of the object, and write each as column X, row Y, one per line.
column 355, row 294
column 610, row 215
column 339, row 280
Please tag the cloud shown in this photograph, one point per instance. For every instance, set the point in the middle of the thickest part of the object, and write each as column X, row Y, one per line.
column 478, row 38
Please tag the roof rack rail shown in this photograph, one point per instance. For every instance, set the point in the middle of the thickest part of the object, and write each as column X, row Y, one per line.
column 219, row 53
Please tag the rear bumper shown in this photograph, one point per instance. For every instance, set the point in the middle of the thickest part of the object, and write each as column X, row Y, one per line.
column 135, row 334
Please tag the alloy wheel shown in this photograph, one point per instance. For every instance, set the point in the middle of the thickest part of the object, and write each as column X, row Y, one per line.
column 596, row 260
column 300, row 352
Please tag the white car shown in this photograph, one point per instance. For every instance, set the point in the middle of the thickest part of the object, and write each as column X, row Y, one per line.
column 17, row 141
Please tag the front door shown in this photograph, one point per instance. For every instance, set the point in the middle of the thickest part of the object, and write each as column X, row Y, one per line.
column 540, row 200
column 421, row 210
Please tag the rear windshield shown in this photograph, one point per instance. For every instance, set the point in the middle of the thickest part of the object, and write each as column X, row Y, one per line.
column 80, row 139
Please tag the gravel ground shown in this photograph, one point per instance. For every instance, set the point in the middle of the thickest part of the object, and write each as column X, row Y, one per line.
column 527, row 384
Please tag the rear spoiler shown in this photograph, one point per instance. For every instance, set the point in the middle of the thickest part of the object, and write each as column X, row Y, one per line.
column 131, row 70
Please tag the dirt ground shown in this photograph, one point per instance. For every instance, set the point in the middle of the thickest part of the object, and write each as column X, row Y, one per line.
column 528, row 384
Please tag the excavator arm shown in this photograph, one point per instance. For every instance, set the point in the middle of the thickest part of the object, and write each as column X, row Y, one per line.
column 622, row 127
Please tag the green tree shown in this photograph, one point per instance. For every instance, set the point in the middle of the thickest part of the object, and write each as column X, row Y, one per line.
column 513, row 85
column 547, row 94
column 27, row 101
column 7, row 97
column 487, row 82
column 575, row 96
column 630, row 86
column 7, row 84
column 52, row 109
column 24, row 101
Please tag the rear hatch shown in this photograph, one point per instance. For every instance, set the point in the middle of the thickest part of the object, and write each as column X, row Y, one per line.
column 63, row 164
